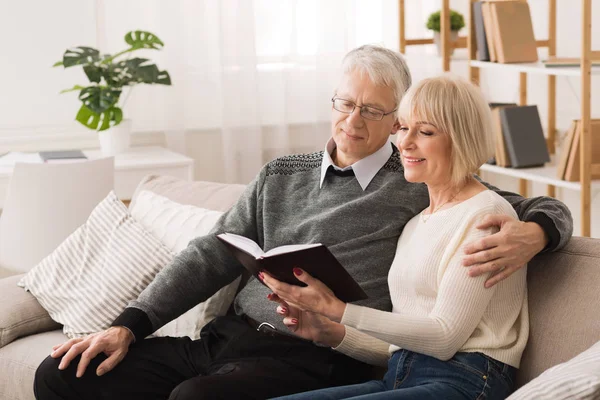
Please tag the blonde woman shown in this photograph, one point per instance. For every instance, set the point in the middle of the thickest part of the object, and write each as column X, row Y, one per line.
column 449, row 337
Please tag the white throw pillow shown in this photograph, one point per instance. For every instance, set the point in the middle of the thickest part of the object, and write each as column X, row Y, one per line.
column 92, row 276
column 578, row 378
column 176, row 225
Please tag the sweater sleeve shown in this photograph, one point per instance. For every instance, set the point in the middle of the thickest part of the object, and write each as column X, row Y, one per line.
column 459, row 306
column 198, row 272
column 363, row 347
column 552, row 215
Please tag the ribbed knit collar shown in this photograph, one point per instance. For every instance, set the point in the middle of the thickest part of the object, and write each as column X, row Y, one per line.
column 364, row 169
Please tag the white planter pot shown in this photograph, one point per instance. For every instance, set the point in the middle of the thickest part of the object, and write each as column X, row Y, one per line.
column 116, row 139
column 437, row 39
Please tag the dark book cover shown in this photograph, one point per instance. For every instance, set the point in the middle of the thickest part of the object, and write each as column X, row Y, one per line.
column 483, row 53
column 524, row 136
column 318, row 261
column 62, row 155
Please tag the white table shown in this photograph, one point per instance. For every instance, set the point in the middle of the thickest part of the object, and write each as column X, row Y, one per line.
column 130, row 168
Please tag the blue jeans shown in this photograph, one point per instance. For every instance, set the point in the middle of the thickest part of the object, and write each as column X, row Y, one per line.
column 417, row 376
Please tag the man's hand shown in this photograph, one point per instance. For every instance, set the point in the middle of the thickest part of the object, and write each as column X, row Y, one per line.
column 310, row 326
column 316, row 297
column 114, row 342
column 506, row 251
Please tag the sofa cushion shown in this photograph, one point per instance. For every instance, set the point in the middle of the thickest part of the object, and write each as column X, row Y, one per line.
column 210, row 195
column 563, row 306
column 20, row 359
column 92, row 276
column 20, row 313
column 176, row 225
column 578, row 378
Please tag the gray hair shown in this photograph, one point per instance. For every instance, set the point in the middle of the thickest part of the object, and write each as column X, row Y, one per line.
column 384, row 67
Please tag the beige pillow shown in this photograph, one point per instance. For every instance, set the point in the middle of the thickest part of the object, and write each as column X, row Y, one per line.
column 20, row 313
column 176, row 225
column 578, row 378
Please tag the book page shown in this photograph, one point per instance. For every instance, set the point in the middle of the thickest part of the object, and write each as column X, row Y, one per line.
column 289, row 249
column 243, row 243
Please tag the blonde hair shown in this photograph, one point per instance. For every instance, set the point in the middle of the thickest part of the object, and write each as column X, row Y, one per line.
column 457, row 108
column 384, row 67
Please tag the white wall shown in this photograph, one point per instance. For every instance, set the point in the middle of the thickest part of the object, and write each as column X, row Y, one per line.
column 34, row 116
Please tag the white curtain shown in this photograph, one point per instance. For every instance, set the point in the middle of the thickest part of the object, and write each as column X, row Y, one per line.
column 252, row 79
column 260, row 73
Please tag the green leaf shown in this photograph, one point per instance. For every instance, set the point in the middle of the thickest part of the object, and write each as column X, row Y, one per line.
column 99, row 99
column 99, row 121
column 93, row 72
column 457, row 21
column 143, row 40
column 73, row 89
column 57, row 64
column 134, row 71
column 79, row 56
column 163, row 78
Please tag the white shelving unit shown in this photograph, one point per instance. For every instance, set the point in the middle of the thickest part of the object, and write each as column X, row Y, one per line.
column 535, row 68
column 547, row 174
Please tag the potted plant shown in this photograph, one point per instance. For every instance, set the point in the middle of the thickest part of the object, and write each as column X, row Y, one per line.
column 457, row 22
column 109, row 75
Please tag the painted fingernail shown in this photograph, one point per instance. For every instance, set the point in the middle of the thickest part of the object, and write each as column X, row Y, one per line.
column 270, row 296
column 294, row 321
column 297, row 271
column 261, row 276
column 283, row 310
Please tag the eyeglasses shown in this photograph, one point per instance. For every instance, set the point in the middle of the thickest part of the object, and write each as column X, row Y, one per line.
column 367, row 112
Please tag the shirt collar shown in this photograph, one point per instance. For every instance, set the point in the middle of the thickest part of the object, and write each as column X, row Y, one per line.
column 364, row 169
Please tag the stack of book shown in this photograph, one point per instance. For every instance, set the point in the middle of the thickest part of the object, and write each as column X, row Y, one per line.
column 568, row 163
column 520, row 140
column 62, row 156
column 504, row 32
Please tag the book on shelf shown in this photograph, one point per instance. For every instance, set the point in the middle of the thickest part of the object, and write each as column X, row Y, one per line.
column 507, row 29
column 316, row 259
column 501, row 154
column 488, row 24
column 553, row 62
column 565, row 150
column 571, row 172
column 483, row 53
column 514, row 32
column 524, row 136
column 62, row 156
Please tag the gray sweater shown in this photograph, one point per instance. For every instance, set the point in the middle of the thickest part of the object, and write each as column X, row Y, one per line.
column 284, row 205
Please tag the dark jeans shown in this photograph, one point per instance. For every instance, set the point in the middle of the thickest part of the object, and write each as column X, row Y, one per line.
column 420, row 377
column 232, row 360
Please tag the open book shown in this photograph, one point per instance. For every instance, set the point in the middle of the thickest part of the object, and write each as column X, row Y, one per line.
column 315, row 259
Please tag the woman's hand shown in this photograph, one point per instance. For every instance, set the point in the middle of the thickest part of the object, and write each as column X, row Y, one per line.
column 310, row 326
column 315, row 297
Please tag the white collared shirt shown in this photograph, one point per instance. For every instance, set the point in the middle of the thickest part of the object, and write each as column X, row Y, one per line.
column 364, row 169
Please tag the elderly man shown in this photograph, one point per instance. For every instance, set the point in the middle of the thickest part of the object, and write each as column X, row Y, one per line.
column 353, row 198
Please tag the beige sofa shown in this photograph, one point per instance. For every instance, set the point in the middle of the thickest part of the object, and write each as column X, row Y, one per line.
column 563, row 300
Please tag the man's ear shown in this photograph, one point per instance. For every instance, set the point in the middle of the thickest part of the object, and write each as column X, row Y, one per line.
column 395, row 127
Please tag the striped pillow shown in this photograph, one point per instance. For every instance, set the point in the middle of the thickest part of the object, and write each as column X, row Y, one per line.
column 578, row 378
column 92, row 276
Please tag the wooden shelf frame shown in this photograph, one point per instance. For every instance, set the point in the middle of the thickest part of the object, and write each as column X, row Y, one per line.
column 585, row 73
column 447, row 44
